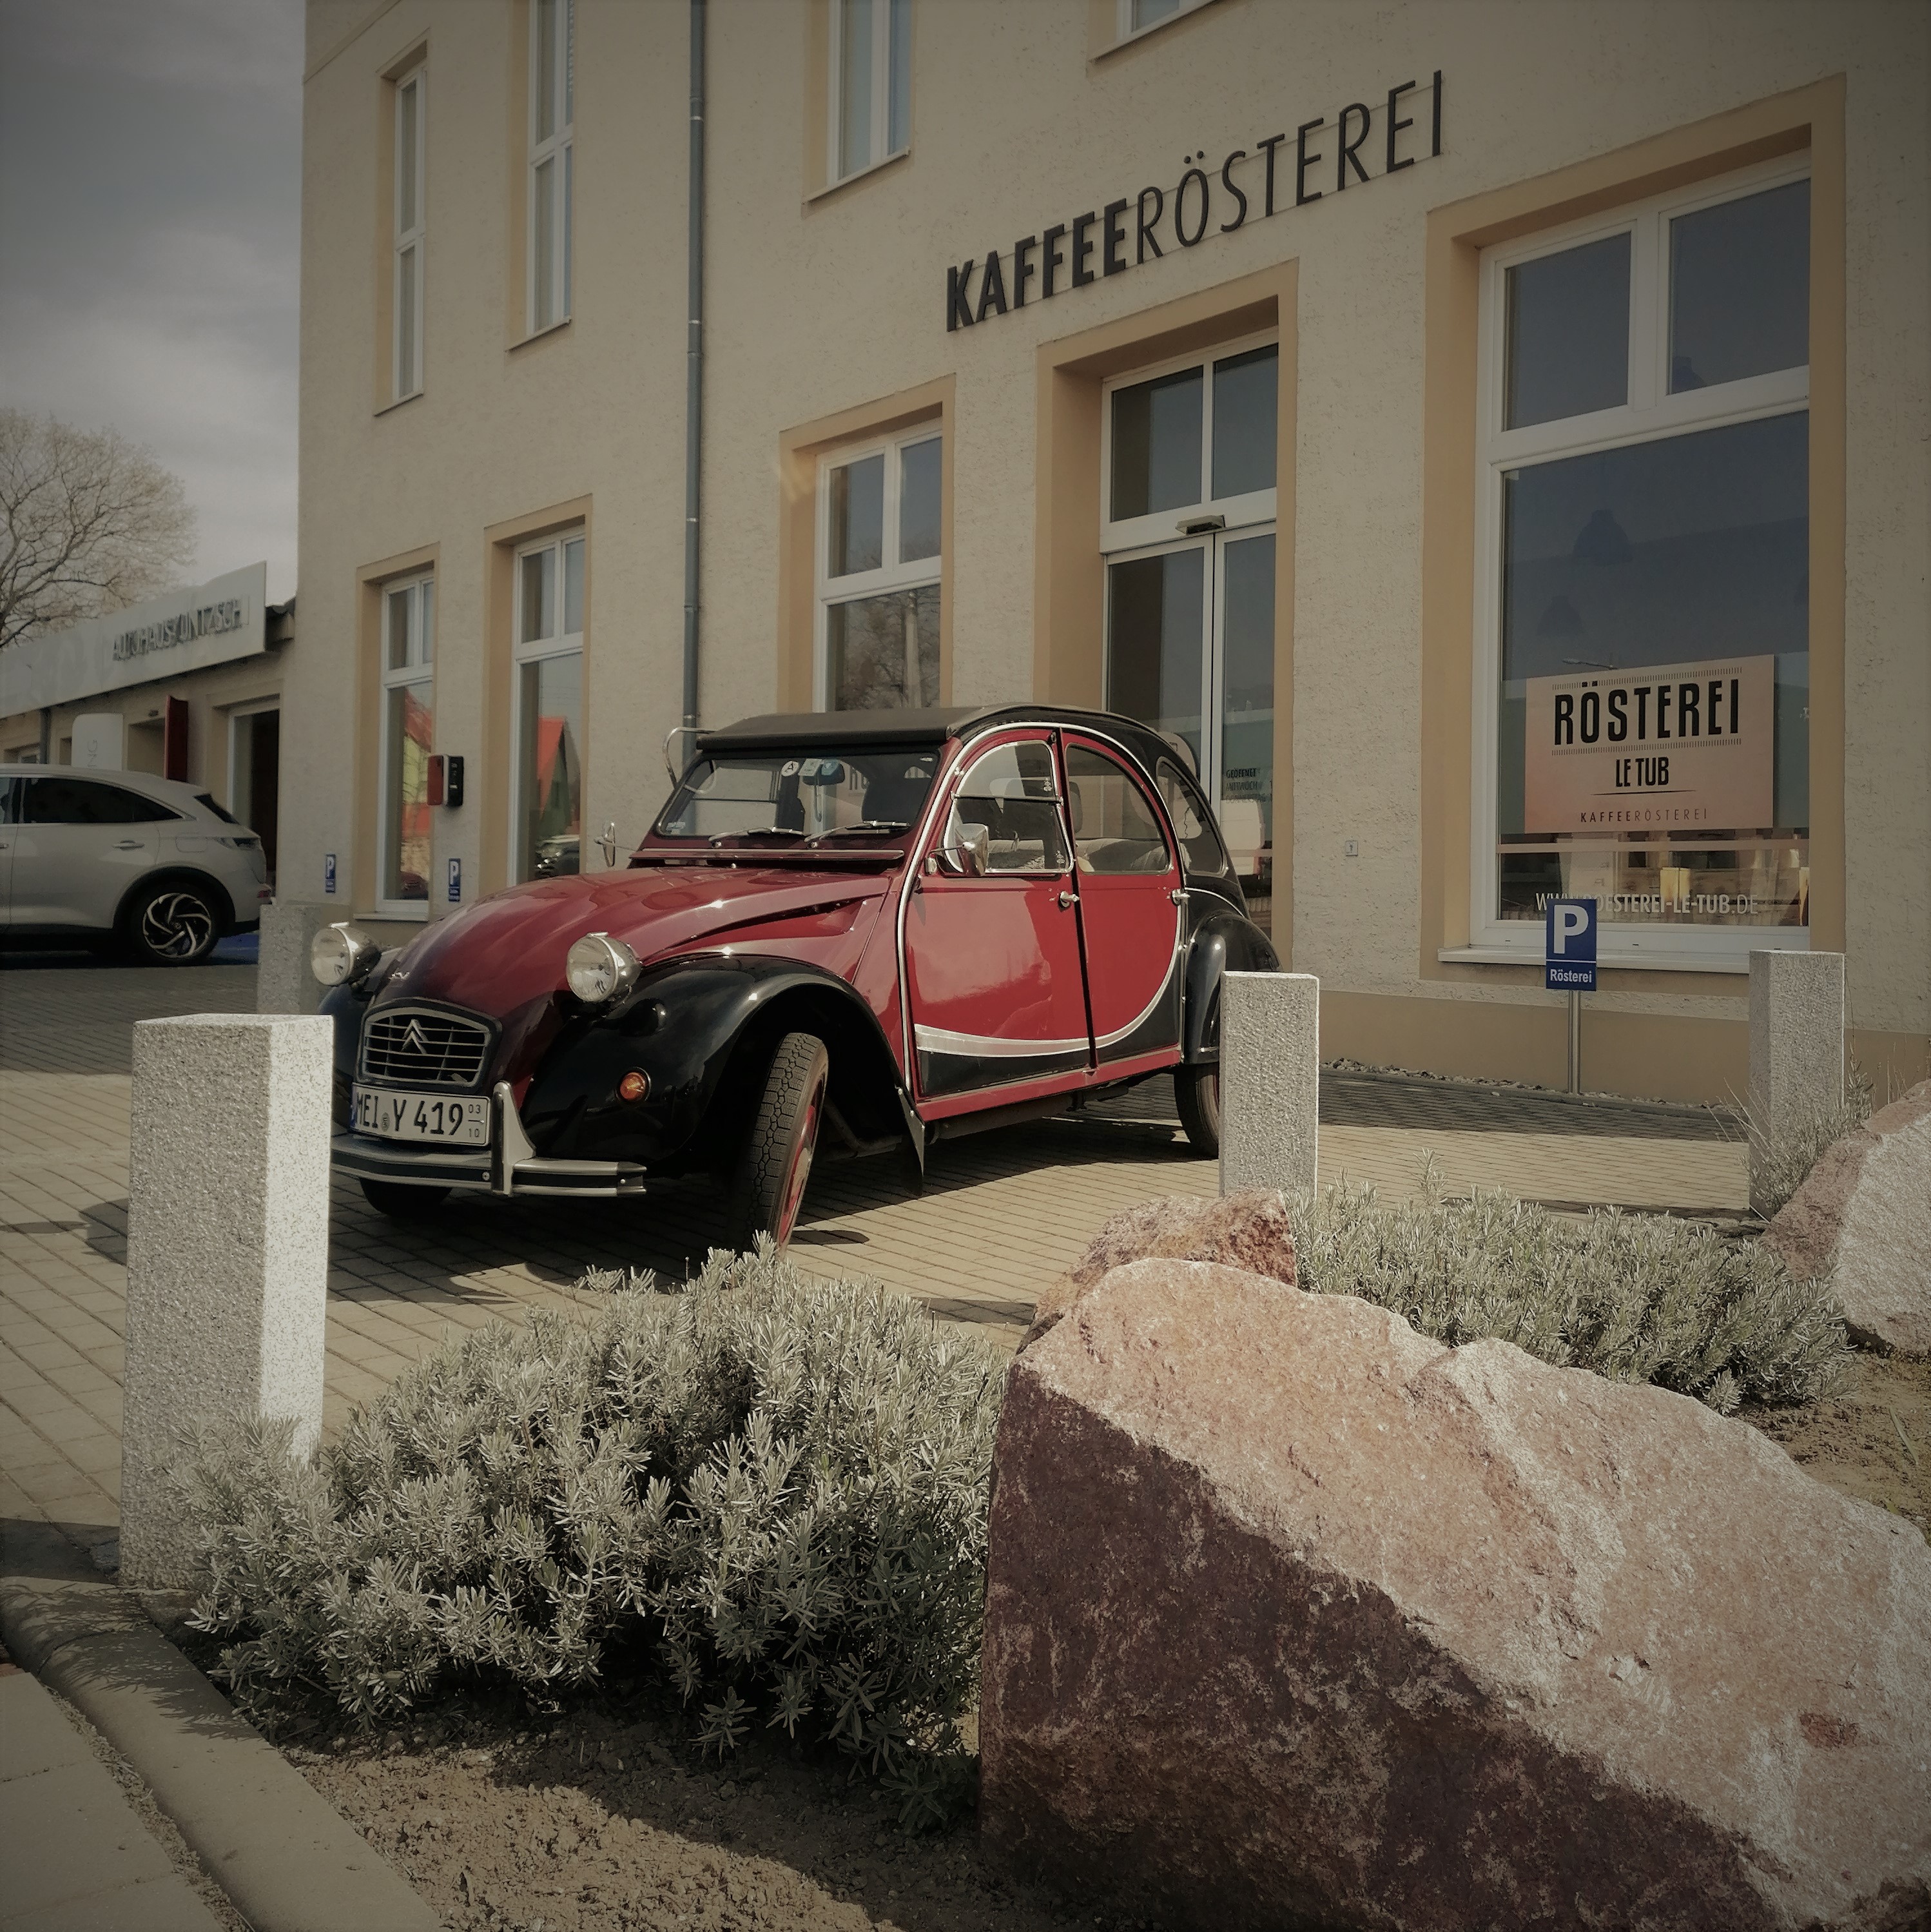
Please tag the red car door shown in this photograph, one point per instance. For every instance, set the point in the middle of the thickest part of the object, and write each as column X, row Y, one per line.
column 992, row 950
column 1129, row 897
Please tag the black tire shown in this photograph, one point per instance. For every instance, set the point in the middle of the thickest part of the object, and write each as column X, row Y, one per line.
column 774, row 1164
column 174, row 922
column 1196, row 1095
column 402, row 1200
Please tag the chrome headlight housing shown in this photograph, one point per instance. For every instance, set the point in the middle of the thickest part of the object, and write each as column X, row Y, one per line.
column 339, row 955
column 600, row 969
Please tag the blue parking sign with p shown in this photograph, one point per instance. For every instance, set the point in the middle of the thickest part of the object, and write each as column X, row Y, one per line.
column 1568, row 947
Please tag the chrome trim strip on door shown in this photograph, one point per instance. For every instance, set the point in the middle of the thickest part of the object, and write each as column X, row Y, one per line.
column 987, row 1046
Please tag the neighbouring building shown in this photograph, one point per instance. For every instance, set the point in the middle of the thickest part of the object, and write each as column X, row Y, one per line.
column 187, row 685
column 1494, row 435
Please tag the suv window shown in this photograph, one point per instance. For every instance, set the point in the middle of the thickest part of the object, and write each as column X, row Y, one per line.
column 1205, row 854
column 87, row 802
column 1012, row 792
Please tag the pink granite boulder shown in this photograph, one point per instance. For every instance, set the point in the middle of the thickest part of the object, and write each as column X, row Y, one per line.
column 1295, row 1618
column 1248, row 1230
column 1864, row 1211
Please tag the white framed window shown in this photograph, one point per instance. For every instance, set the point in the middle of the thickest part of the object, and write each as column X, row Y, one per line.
column 880, row 516
column 408, row 737
column 871, row 118
column 1641, row 732
column 553, row 119
column 1187, row 505
column 412, row 150
column 546, row 709
column 1135, row 17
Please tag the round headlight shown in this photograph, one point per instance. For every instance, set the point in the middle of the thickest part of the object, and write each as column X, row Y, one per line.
column 600, row 969
column 340, row 956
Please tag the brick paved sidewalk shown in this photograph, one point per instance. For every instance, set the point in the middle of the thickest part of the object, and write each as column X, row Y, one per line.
column 1001, row 1214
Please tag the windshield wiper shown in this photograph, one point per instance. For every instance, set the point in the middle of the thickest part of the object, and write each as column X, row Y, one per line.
column 862, row 825
column 755, row 831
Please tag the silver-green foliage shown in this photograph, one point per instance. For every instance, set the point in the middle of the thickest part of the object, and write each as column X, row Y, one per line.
column 780, row 1484
column 1782, row 1154
column 1636, row 1298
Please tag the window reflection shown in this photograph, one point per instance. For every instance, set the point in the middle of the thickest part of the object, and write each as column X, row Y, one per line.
column 1156, row 428
column 1568, row 333
column 1739, row 288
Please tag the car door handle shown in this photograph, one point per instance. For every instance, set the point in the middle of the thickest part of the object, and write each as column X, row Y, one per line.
column 127, row 845
column 1065, row 901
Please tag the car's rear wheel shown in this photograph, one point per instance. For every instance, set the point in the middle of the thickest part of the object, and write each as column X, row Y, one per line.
column 774, row 1165
column 403, row 1201
column 1196, row 1095
column 176, row 922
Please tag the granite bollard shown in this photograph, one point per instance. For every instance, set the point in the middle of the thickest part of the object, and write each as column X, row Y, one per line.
column 1270, row 1080
column 1797, row 1052
column 227, row 1252
column 284, row 981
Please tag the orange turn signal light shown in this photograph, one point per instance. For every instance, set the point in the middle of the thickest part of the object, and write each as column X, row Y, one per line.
column 634, row 1085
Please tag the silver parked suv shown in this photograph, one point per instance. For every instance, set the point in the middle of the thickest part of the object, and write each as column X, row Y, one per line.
column 121, row 857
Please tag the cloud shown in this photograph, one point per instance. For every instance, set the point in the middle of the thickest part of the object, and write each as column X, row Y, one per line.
column 150, row 195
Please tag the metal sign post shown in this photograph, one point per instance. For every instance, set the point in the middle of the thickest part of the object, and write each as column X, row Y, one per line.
column 1569, row 966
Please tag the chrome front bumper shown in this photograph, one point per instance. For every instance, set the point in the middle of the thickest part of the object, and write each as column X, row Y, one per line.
column 509, row 1166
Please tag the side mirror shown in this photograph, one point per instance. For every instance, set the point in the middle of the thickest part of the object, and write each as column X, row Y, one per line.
column 970, row 856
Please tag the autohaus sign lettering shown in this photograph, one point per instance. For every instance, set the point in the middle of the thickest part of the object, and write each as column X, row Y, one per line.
column 210, row 620
column 1318, row 158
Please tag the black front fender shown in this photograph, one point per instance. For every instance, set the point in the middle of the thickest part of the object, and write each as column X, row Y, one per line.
column 702, row 1030
column 1223, row 942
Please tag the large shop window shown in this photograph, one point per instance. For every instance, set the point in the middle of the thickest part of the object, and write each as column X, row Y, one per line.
column 411, row 167
column 408, row 737
column 1188, row 533
column 1643, row 644
column 879, row 516
column 547, row 807
column 552, row 126
column 871, row 118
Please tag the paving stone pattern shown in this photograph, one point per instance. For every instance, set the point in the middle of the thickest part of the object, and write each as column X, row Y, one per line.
column 999, row 1215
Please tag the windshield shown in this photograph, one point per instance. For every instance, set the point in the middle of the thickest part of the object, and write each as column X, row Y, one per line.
column 738, row 794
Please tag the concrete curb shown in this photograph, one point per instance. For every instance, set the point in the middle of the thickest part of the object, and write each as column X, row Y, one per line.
column 280, row 1850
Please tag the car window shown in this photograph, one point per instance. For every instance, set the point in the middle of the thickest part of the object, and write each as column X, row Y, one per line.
column 739, row 794
column 1114, row 829
column 9, row 791
column 1012, row 791
column 206, row 801
column 1199, row 842
column 87, row 802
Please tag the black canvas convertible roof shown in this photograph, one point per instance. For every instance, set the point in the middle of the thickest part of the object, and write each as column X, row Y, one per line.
column 811, row 731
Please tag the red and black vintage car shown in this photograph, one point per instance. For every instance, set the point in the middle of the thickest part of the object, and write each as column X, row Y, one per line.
column 847, row 934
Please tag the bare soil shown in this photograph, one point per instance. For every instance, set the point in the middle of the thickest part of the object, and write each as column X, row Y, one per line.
column 601, row 1818
column 1873, row 1443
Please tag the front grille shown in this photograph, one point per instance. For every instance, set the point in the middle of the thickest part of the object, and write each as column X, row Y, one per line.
column 416, row 1046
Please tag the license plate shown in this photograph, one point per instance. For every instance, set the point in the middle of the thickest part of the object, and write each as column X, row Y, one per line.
column 421, row 1117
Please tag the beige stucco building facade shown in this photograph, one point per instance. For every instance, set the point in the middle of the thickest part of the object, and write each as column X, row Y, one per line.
column 1369, row 398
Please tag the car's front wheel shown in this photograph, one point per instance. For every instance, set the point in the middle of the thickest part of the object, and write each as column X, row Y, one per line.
column 402, row 1200
column 768, row 1184
column 1196, row 1095
column 176, row 922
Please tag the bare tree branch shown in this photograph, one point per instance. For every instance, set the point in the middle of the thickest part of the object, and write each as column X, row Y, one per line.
column 89, row 522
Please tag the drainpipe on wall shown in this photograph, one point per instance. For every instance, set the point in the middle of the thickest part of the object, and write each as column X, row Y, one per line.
column 693, row 397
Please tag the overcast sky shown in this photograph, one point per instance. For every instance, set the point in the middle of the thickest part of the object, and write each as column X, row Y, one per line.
column 150, row 211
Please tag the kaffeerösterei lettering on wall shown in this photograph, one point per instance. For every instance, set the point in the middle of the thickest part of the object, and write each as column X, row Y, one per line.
column 1320, row 157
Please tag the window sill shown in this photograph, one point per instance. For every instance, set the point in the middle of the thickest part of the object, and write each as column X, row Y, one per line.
column 1622, row 960
column 1153, row 27
column 540, row 335
column 852, row 180
column 413, row 914
column 414, row 396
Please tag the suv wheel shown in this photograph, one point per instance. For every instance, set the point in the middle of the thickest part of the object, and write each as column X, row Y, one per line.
column 1196, row 1095
column 768, row 1184
column 176, row 923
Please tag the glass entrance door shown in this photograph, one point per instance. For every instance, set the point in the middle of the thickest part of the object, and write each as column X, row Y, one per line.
column 1190, row 651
